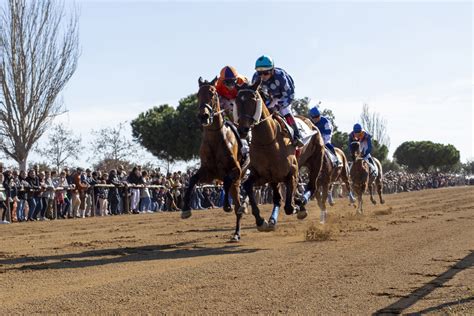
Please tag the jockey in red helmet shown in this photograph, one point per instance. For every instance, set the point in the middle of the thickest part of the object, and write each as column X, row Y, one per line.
column 227, row 89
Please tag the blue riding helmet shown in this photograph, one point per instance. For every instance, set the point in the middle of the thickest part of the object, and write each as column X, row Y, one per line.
column 314, row 112
column 264, row 63
column 357, row 128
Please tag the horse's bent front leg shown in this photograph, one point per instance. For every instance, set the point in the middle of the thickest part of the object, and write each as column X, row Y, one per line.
column 248, row 187
column 186, row 211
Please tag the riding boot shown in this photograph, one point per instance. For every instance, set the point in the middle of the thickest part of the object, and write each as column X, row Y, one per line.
column 297, row 141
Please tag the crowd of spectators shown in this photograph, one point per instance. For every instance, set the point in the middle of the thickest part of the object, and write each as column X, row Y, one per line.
column 402, row 181
column 78, row 193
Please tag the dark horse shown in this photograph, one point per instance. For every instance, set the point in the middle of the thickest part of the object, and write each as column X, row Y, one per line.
column 362, row 178
column 272, row 155
column 330, row 174
column 219, row 154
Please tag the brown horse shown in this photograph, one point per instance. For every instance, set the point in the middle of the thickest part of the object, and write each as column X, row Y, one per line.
column 330, row 174
column 362, row 178
column 272, row 155
column 219, row 154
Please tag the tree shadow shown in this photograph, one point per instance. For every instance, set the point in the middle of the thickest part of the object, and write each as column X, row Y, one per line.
column 418, row 294
column 120, row 255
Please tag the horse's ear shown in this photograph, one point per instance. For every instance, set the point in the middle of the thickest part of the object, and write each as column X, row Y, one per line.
column 200, row 81
column 256, row 84
column 213, row 82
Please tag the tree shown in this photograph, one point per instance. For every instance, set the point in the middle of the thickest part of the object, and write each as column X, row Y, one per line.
column 426, row 155
column 468, row 167
column 170, row 134
column 61, row 146
column 39, row 51
column 301, row 106
column 375, row 124
column 107, row 164
column 111, row 144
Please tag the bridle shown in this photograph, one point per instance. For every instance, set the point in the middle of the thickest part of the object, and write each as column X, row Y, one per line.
column 256, row 118
column 211, row 107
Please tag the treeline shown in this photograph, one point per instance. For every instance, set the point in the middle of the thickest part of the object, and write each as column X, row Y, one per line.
column 174, row 134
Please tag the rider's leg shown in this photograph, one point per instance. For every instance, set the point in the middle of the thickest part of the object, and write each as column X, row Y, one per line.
column 290, row 119
column 332, row 150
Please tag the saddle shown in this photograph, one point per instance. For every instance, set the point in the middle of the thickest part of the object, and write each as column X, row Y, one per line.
column 335, row 162
column 305, row 132
column 372, row 167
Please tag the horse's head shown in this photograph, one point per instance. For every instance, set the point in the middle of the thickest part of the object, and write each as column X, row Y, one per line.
column 355, row 149
column 248, row 109
column 208, row 101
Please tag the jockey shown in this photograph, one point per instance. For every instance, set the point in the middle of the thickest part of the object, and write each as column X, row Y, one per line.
column 279, row 85
column 325, row 127
column 365, row 140
column 226, row 87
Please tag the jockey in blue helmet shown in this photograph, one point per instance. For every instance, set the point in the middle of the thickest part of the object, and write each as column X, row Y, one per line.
column 365, row 141
column 279, row 85
column 325, row 127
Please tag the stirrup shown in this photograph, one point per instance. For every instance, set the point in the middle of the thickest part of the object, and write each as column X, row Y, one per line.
column 297, row 142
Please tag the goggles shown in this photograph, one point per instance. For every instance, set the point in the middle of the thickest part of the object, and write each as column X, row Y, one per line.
column 264, row 72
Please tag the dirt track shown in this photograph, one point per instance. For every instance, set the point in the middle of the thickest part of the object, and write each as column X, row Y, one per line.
column 415, row 253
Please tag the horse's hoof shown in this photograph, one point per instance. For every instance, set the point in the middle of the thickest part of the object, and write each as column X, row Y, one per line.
column 331, row 203
column 302, row 214
column 235, row 238
column 186, row 214
column 382, row 201
column 263, row 227
column 271, row 225
column 291, row 210
column 242, row 210
column 227, row 208
column 374, row 202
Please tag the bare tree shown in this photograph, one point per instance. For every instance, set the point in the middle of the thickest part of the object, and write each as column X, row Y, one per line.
column 39, row 51
column 61, row 146
column 375, row 124
column 110, row 143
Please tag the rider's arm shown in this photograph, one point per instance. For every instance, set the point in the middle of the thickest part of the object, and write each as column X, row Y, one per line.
column 287, row 92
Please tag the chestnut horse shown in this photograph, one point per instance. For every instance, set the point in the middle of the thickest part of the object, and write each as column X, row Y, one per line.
column 272, row 156
column 362, row 178
column 219, row 154
column 330, row 174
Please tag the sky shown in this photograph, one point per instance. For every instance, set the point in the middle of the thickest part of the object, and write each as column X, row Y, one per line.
column 411, row 62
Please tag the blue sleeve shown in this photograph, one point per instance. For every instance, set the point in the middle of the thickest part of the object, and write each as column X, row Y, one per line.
column 287, row 90
column 327, row 127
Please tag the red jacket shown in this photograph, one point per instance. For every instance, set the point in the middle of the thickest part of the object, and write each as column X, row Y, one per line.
column 227, row 93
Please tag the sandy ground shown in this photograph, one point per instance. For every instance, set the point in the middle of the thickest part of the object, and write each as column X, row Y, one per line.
column 413, row 254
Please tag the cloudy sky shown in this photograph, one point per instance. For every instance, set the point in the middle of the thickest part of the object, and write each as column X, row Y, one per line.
column 410, row 62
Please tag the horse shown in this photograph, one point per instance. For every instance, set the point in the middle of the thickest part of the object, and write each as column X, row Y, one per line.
column 362, row 178
column 219, row 153
column 330, row 174
column 272, row 156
